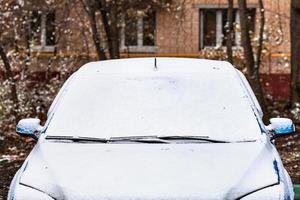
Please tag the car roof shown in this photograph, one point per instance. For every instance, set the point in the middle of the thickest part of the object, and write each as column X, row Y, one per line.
column 146, row 65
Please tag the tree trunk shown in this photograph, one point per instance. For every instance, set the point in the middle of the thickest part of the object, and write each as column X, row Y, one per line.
column 246, row 41
column 230, row 31
column 96, row 38
column 114, row 30
column 109, row 13
column 295, row 49
column 12, row 82
column 252, row 70
column 89, row 6
column 261, row 34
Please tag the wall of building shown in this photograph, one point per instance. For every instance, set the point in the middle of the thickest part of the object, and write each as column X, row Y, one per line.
column 177, row 34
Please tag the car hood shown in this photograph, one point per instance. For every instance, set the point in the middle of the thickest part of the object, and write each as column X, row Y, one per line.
column 150, row 171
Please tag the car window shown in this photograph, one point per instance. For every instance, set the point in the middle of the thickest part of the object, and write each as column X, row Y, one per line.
column 116, row 105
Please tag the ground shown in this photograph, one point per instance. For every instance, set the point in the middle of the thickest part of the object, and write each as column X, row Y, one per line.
column 289, row 150
column 14, row 149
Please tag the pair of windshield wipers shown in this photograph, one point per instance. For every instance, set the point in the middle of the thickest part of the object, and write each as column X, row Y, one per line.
column 139, row 139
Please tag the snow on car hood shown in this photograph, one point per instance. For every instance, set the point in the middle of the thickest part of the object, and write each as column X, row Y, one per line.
column 149, row 171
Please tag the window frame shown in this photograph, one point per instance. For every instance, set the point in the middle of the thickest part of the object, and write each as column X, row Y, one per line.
column 140, row 47
column 219, row 26
column 43, row 46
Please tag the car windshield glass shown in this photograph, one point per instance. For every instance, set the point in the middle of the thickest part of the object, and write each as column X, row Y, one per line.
column 156, row 103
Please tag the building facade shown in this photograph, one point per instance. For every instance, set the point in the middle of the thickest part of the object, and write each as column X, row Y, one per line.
column 187, row 28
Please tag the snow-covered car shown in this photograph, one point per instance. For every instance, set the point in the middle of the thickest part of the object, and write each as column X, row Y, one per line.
column 154, row 128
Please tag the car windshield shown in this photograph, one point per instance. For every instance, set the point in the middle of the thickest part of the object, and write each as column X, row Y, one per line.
column 161, row 104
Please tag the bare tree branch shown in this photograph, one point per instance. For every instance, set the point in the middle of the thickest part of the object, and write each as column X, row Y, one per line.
column 229, row 30
column 12, row 82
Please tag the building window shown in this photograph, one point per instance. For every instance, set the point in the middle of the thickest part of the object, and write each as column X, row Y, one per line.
column 213, row 26
column 149, row 29
column 138, row 32
column 209, row 27
column 131, row 30
column 42, row 30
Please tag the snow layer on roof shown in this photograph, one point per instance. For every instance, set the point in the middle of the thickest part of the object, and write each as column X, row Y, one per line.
column 146, row 65
column 130, row 98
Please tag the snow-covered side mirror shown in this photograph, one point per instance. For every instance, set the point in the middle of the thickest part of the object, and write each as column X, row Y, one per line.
column 29, row 127
column 281, row 126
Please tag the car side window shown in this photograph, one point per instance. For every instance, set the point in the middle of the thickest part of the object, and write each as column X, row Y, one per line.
column 59, row 95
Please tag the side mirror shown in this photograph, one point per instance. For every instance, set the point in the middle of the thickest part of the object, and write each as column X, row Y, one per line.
column 281, row 126
column 28, row 127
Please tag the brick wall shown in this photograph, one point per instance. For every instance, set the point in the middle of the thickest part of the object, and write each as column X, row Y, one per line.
column 177, row 34
column 183, row 26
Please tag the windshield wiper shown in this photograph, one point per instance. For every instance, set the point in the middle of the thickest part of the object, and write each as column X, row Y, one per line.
column 165, row 139
column 200, row 138
column 77, row 139
column 142, row 139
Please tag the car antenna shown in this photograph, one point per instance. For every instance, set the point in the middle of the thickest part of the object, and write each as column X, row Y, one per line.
column 155, row 65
